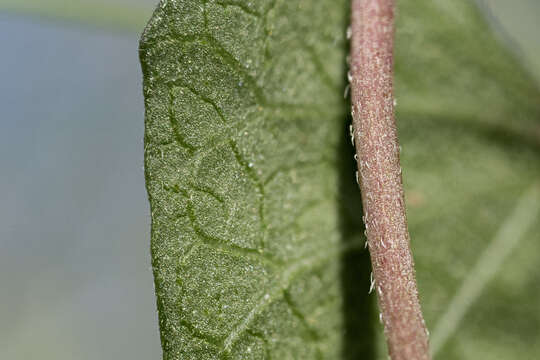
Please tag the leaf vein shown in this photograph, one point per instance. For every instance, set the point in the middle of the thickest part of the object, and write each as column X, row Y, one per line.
column 503, row 243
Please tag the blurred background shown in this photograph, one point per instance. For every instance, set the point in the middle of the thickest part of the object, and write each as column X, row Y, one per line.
column 74, row 221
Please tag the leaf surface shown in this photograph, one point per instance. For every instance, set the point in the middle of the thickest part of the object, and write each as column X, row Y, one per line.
column 245, row 120
column 469, row 124
column 257, row 241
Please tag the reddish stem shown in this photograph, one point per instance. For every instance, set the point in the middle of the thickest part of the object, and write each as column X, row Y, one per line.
column 380, row 181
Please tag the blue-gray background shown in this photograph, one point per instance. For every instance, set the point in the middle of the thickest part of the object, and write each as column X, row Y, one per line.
column 75, row 279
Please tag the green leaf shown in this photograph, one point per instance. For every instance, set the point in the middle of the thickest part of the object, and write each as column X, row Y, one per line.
column 257, row 242
column 102, row 13
column 244, row 127
column 468, row 119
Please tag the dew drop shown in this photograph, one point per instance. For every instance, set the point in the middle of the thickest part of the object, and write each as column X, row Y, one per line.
column 349, row 76
column 349, row 33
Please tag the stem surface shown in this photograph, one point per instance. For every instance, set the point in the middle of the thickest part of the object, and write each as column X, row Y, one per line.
column 377, row 149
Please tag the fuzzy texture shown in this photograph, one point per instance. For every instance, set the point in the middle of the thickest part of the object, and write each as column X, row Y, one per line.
column 251, row 247
column 380, row 181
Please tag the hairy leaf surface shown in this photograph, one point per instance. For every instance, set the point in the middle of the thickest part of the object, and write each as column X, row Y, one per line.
column 245, row 115
column 257, row 241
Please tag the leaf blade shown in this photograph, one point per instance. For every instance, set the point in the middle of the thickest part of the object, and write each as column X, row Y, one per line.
column 242, row 221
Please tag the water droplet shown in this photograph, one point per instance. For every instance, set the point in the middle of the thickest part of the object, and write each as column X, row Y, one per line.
column 395, row 102
column 356, row 176
column 349, row 33
column 250, row 165
column 349, row 76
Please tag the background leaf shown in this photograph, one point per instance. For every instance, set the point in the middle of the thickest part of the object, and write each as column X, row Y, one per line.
column 256, row 232
column 99, row 13
column 468, row 118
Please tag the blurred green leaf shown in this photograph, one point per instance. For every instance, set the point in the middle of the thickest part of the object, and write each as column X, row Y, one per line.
column 93, row 12
column 469, row 124
column 256, row 230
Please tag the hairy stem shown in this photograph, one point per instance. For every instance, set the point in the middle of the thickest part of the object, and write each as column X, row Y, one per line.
column 377, row 149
